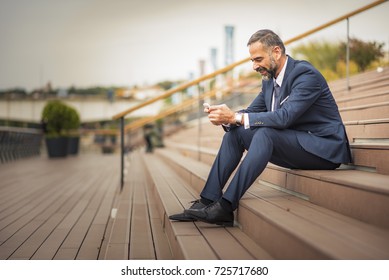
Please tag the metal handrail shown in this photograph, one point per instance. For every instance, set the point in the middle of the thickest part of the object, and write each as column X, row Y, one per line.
column 173, row 109
column 18, row 142
column 223, row 70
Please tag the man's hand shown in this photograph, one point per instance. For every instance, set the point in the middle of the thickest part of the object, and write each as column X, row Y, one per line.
column 221, row 114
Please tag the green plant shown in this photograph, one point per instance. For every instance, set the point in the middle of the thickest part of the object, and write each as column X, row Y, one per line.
column 59, row 119
column 330, row 57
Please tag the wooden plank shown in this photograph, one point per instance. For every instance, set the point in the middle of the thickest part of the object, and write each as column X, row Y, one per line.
column 80, row 229
column 376, row 96
column 157, row 171
column 141, row 241
column 366, row 112
column 195, row 248
column 161, row 242
column 253, row 248
column 118, row 244
column 92, row 245
column 223, row 244
column 118, row 241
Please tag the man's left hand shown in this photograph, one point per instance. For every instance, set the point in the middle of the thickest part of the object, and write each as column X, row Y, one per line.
column 221, row 114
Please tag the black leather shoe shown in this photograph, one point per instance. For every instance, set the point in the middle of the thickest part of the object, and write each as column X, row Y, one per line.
column 213, row 214
column 197, row 204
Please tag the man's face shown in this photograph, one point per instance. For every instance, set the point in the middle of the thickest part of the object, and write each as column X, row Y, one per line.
column 265, row 61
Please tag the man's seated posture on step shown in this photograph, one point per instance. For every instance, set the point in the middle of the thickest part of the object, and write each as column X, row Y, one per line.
column 294, row 122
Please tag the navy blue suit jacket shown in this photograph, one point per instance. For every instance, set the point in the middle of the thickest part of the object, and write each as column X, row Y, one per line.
column 308, row 107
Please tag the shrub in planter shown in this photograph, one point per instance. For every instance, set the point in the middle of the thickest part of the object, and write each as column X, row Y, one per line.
column 60, row 121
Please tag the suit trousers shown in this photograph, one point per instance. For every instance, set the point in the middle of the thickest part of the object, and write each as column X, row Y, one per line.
column 263, row 145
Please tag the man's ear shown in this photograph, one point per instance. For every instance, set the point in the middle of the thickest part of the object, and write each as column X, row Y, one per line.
column 277, row 52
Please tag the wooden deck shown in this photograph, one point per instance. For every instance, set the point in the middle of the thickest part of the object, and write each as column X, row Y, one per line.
column 56, row 209
column 73, row 209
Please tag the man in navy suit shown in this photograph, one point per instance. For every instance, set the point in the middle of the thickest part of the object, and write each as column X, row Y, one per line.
column 294, row 122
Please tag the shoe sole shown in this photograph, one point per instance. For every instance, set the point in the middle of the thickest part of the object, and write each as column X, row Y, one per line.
column 182, row 219
column 224, row 224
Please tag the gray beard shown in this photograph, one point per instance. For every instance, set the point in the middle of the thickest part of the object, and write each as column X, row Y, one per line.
column 271, row 72
column 265, row 78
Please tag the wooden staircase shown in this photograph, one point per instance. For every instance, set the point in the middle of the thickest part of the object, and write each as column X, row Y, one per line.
column 286, row 214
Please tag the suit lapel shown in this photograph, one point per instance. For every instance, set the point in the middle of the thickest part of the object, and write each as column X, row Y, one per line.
column 289, row 68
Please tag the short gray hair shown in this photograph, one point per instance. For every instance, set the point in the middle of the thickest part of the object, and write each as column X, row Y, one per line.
column 268, row 38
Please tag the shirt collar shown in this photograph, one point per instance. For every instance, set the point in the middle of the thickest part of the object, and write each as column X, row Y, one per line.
column 280, row 77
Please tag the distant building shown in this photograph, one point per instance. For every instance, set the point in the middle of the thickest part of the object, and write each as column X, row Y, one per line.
column 62, row 93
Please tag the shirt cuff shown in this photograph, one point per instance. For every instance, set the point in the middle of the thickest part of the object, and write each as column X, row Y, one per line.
column 246, row 121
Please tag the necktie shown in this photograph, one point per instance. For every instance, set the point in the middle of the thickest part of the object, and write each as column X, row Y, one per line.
column 277, row 96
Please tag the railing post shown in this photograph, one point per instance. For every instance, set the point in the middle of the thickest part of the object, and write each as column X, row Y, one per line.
column 121, row 153
column 199, row 115
column 348, row 55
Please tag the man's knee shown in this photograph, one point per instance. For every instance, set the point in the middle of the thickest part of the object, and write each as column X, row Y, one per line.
column 233, row 135
column 267, row 133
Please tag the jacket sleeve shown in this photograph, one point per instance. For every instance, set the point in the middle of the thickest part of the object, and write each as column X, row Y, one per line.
column 302, row 89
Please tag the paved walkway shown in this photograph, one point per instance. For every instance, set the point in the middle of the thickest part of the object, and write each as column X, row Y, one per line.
column 57, row 208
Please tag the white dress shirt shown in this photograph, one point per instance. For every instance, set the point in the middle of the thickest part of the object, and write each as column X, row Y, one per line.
column 278, row 80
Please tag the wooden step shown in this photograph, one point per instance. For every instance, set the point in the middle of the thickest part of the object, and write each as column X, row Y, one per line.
column 367, row 87
column 365, row 112
column 135, row 230
column 367, row 129
column 198, row 240
column 363, row 98
column 358, row 80
column 372, row 155
column 270, row 217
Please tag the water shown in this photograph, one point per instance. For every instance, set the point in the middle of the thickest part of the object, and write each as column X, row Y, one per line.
column 89, row 110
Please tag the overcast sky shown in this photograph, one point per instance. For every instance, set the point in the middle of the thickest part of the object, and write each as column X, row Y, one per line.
column 121, row 43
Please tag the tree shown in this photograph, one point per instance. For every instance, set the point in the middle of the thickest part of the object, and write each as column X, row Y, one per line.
column 330, row 58
column 363, row 53
column 323, row 55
